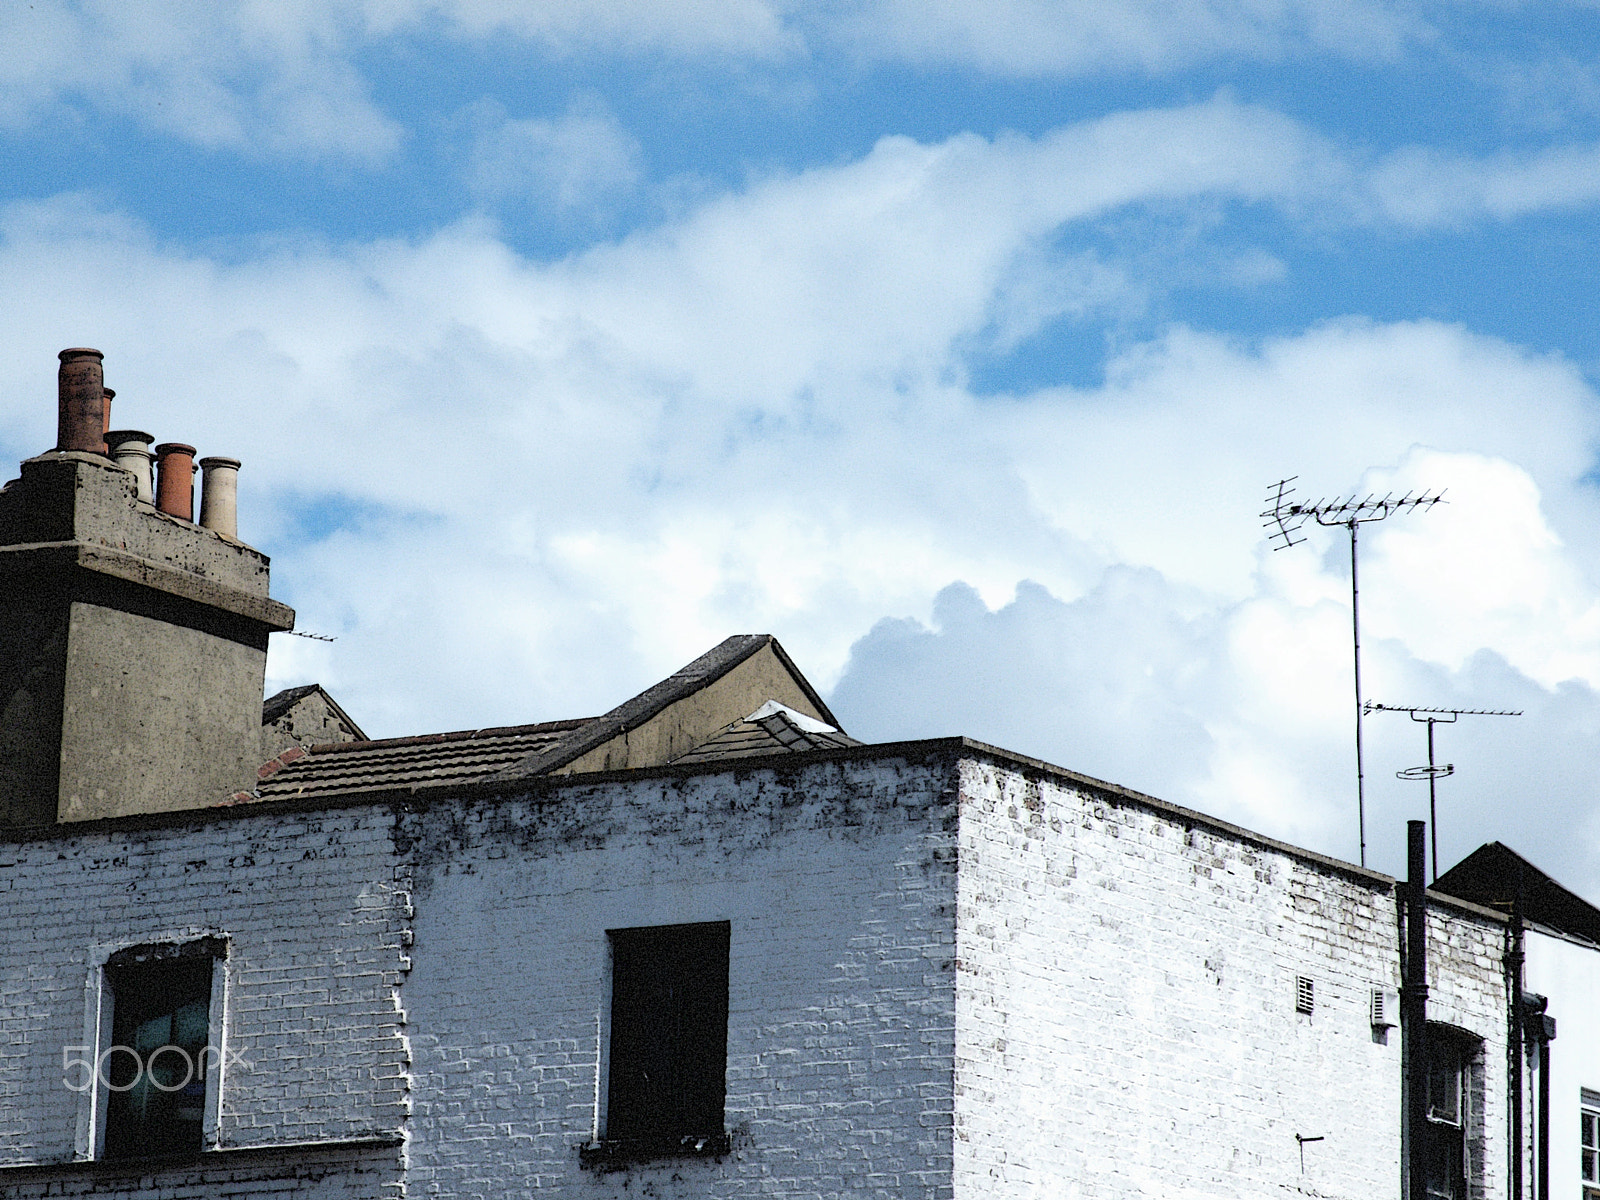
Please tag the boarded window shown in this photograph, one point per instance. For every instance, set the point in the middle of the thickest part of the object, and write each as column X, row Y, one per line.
column 155, row 1067
column 669, row 1033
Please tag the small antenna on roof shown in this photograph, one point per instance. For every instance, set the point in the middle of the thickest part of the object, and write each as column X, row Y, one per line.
column 1284, row 518
column 1433, row 772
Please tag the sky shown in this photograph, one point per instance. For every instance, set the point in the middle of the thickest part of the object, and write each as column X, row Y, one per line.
column 957, row 344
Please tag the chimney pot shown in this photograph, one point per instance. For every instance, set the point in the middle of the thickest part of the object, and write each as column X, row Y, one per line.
column 81, row 401
column 175, row 480
column 219, row 496
column 130, row 449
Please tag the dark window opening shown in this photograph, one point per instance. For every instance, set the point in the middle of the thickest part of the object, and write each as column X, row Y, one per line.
column 669, row 1035
column 154, row 1068
column 1450, row 1113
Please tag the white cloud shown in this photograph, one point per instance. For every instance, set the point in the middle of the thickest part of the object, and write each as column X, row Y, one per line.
column 687, row 27
column 255, row 77
column 1037, row 37
column 582, row 159
column 1422, row 187
column 554, row 483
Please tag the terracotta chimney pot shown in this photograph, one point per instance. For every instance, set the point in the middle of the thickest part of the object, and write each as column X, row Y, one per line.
column 219, row 496
column 130, row 449
column 81, row 401
column 175, row 480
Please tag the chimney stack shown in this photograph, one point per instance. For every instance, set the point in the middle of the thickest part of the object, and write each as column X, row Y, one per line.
column 133, row 647
column 81, row 401
column 175, row 480
column 219, row 496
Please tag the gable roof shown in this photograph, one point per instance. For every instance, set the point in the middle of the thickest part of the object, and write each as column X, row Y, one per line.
column 1493, row 874
column 277, row 706
column 706, row 688
column 694, row 679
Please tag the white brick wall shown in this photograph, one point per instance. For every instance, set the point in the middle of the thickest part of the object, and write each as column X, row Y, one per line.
column 315, row 923
column 838, row 882
column 1103, row 1004
column 1125, row 1015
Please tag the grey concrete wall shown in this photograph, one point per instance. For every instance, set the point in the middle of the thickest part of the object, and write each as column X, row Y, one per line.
column 132, row 650
column 155, row 716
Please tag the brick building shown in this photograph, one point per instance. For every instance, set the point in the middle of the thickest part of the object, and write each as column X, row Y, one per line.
column 703, row 945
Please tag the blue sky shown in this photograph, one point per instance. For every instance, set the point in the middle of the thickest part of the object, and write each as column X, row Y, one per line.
column 954, row 343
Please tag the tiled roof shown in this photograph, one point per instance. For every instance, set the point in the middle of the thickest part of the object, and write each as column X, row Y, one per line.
column 712, row 665
column 435, row 758
column 770, row 734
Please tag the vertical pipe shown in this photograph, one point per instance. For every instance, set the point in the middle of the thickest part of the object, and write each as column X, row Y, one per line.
column 1514, row 961
column 1433, row 804
column 107, row 395
column 175, row 480
column 1355, row 634
column 80, row 401
column 1544, row 1118
column 130, row 449
column 1414, row 1015
column 219, row 495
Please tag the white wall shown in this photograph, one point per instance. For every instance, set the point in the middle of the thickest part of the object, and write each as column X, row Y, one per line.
column 1569, row 974
column 309, row 903
column 838, row 882
column 1125, row 1015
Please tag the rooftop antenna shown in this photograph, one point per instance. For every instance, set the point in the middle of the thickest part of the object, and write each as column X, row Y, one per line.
column 1283, row 519
column 1433, row 772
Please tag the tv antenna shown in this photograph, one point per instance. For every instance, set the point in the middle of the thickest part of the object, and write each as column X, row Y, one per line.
column 1284, row 518
column 1434, row 772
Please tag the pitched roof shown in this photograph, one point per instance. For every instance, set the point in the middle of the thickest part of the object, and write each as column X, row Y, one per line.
column 771, row 729
column 1492, row 876
column 460, row 757
column 515, row 752
column 631, row 714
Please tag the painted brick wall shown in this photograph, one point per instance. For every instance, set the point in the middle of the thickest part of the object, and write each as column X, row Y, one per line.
column 838, row 882
column 1103, row 1004
column 1126, row 1013
column 342, row 1172
column 316, row 923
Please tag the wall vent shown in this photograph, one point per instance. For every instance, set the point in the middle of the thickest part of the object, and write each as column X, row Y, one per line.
column 1305, row 994
column 1385, row 1008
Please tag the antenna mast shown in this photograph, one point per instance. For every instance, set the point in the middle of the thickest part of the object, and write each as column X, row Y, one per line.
column 1432, row 773
column 1283, row 519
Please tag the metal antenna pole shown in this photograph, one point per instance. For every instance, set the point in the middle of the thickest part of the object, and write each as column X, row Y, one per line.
column 1283, row 519
column 1355, row 637
column 1433, row 772
column 1433, row 799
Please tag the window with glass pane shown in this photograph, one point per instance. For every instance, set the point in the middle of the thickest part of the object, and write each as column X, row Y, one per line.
column 1448, row 1109
column 155, row 1066
column 1591, row 1136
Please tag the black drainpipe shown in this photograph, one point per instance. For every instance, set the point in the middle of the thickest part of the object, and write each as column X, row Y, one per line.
column 1514, row 959
column 1540, row 1029
column 1414, row 1015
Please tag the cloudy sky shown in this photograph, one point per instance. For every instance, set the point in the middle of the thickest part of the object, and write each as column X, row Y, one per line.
column 955, row 343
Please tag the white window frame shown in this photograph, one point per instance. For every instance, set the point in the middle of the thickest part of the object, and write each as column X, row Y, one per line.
column 89, row 1141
